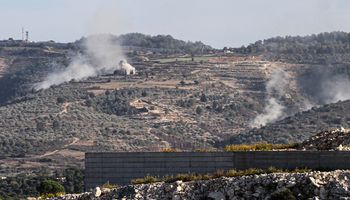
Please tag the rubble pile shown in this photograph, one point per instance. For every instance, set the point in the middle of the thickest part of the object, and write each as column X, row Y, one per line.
column 309, row 185
column 338, row 139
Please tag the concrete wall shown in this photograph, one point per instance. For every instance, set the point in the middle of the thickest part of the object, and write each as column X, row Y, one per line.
column 121, row 167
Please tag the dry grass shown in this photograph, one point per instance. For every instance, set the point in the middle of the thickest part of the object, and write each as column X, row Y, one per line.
column 217, row 174
column 109, row 186
column 262, row 146
column 145, row 180
column 170, row 150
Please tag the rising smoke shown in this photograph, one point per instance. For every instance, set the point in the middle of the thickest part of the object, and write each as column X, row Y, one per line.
column 320, row 85
column 102, row 52
column 275, row 89
column 326, row 84
column 102, row 56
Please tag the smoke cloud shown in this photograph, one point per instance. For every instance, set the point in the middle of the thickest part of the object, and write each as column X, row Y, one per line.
column 319, row 85
column 102, row 52
column 326, row 84
column 338, row 89
column 275, row 89
column 102, row 57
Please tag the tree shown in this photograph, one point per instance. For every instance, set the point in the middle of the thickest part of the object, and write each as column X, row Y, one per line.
column 56, row 125
column 182, row 83
column 199, row 110
column 60, row 100
column 50, row 187
column 40, row 126
column 203, row 98
column 88, row 103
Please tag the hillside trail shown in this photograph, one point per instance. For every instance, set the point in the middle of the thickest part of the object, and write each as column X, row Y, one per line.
column 75, row 140
column 66, row 106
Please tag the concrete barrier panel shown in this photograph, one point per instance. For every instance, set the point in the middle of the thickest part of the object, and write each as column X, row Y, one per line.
column 121, row 167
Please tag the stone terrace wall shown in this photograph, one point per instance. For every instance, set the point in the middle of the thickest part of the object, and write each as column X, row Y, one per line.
column 121, row 167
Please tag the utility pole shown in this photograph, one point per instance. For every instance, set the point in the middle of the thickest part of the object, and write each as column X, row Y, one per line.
column 22, row 34
column 27, row 36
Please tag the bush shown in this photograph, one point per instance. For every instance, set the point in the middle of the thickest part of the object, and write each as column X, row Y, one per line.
column 109, row 186
column 170, row 150
column 283, row 194
column 60, row 100
column 182, row 83
column 50, row 186
column 144, row 93
column 199, row 110
column 50, row 195
column 146, row 180
column 217, row 174
column 262, row 146
column 203, row 98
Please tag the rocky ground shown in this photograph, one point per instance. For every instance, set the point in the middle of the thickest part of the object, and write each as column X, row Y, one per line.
column 338, row 139
column 310, row 185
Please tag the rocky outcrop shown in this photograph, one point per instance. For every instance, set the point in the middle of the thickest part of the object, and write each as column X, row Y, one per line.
column 310, row 185
column 338, row 139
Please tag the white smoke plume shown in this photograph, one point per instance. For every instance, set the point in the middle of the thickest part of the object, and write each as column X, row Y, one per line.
column 337, row 88
column 275, row 89
column 325, row 84
column 102, row 52
column 102, row 57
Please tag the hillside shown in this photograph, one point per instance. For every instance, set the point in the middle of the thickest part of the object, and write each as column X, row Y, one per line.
column 299, row 127
column 322, row 48
column 21, row 65
column 163, row 44
column 179, row 98
column 168, row 103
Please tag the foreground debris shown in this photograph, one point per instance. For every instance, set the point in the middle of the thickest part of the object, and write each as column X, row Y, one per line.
column 310, row 185
column 338, row 139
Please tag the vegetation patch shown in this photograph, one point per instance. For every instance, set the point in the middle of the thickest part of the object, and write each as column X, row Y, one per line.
column 261, row 146
column 220, row 173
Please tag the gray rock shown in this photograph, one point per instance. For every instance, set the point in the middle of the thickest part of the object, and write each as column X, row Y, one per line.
column 216, row 196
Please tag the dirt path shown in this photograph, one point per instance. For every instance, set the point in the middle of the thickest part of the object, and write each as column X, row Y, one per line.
column 65, row 108
column 75, row 140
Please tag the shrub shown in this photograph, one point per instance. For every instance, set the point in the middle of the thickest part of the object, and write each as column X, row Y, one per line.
column 88, row 103
column 187, row 177
column 145, row 180
column 50, row 195
column 262, row 146
column 217, row 174
column 170, row 150
column 203, row 98
column 50, row 186
column 109, row 186
column 60, row 100
column 199, row 110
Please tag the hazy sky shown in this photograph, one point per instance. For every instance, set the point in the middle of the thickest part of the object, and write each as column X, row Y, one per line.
column 216, row 22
